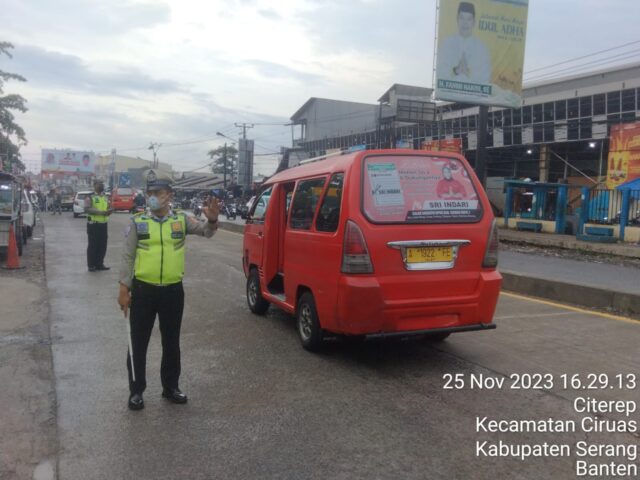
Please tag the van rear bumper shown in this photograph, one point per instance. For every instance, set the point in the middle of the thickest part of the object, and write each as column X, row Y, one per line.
column 363, row 310
column 431, row 331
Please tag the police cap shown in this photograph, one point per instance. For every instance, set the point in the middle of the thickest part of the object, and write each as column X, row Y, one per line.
column 157, row 180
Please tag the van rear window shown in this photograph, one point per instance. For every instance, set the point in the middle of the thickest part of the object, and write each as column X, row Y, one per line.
column 418, row 189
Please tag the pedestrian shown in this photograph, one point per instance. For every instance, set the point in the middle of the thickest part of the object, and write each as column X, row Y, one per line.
column 151, row 274
column 57, row 202
column 96, row 206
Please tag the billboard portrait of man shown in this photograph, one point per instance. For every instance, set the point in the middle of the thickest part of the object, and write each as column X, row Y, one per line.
column 448, row 187
column 463, row 57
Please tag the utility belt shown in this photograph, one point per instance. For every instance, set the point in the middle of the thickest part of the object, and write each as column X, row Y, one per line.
column 144, row 285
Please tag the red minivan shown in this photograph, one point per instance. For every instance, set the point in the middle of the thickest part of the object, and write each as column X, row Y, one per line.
column 374, row 243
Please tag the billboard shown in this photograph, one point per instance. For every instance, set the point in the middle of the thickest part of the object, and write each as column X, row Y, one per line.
column 68, row 161
column 452, row 145
column 624, row 154
column 480, row 52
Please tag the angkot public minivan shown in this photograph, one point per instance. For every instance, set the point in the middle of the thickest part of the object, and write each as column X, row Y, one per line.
column 374, row 243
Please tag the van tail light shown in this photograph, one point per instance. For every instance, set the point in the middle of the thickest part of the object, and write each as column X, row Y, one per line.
column 355, row 254
column 491, row 254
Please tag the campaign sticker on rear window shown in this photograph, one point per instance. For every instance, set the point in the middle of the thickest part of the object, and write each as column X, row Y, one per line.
column 385, row 184
column 428, row 189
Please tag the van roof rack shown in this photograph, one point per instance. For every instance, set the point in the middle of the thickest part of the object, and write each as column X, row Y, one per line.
column 322, row 157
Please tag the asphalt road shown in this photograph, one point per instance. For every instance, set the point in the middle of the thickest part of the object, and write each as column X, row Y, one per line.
column 260, row 407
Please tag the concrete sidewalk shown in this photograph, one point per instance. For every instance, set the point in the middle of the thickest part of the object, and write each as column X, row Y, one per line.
column 603, row 286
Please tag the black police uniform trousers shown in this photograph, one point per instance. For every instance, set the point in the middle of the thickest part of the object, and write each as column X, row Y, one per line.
column 147, row 301
column 97, row 234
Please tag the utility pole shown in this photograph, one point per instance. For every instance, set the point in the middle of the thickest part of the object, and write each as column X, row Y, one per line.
column 244, row 127
column 225, row 170
column 155, row 147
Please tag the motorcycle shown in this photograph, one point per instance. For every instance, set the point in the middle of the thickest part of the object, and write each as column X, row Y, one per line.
column 197, row 209
column 229, row 211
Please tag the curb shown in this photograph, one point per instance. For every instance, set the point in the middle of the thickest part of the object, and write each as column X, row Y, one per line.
column 576, row 294
column 232, row 227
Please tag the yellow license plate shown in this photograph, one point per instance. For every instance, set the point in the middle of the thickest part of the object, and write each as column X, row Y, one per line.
column 429, row 254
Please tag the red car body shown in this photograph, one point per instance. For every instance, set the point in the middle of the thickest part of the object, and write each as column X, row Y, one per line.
column 122, row 199
column 425, row 272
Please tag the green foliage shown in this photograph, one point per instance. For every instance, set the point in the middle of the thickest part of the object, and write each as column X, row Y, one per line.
column 218, row 155
column 12, row 135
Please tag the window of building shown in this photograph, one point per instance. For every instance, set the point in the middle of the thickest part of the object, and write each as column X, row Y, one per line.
column 517, row 135
column 613, row 102
column 612, row 119
column 573, row 110
column 516, row 115
column 548, row 112
column 526, row 115
column 537, row 113
column 472, row 122
column 456, row 126
column 585, row 106
column 585, row 128
column 329, row 213
column 497, row 119
column 538, row 133
column 549, row 132
column 599, row 104
column 561, row 110
column 638, row 98
column 506, row 136
column 506, row 118
column 305, row 202
column 448, row 127
column 464, row 124
column 629, row 100
column 573, row 130
column 628, row 117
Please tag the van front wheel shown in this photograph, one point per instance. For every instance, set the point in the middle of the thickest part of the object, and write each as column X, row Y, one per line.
column 257, row 304
column 311, row 335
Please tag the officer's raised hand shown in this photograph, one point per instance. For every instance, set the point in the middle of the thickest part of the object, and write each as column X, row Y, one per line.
column 212, row 209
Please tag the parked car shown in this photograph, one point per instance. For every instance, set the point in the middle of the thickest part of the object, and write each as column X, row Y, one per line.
column 78, row 202
column 28, row 215
column 374, row 243
column 122, row 199
column 10, row 211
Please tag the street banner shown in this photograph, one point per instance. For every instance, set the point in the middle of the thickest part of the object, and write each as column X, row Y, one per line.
column 624, row 154
column 452, row 145
column 480, row 52
column 68, row 161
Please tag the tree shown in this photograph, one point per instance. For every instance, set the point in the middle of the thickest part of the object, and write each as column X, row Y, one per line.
column 232, row 160
column 12, row 135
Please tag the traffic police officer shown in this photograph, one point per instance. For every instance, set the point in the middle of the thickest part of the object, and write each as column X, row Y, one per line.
column 97, row 209
column 151, row 274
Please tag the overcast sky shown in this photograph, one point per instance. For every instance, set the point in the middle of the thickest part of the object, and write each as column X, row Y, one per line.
column 124, row 73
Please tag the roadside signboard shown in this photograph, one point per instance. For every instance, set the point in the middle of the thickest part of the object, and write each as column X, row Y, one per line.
column 480, row 52
column 451, row 145
column 68, row 161
column 624, row 154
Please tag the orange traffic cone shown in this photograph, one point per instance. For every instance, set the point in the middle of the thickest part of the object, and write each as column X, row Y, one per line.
column 13, row 262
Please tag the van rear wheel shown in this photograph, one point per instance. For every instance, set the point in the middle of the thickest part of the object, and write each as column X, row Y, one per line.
column 309, row 330
column 257, row 304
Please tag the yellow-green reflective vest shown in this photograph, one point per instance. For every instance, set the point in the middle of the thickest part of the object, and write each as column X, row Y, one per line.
column 99, row 202
column 160, row 252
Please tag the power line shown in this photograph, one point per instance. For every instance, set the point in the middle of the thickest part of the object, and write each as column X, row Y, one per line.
column 588, row 65
column 582, row 57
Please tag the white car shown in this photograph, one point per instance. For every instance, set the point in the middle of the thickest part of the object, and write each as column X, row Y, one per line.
column 28, row 214
column 78, row 202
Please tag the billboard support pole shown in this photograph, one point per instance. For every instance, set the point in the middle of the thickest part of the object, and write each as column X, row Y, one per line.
column 481, row 149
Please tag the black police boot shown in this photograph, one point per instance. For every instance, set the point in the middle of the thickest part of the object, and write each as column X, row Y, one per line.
column 174, row 395
column 103, row 267
column 92, row 269
column 136, row 402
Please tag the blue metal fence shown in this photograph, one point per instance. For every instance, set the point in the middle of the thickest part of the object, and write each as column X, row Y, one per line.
column 610, row 207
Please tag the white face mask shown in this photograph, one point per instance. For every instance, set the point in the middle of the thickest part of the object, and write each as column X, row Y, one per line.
column 155, row 203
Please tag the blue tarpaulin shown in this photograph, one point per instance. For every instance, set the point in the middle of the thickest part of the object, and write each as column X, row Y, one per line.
column 633, row 185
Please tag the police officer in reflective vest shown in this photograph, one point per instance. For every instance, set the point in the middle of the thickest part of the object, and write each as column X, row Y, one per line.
column 97, row 209
column 151, row 274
